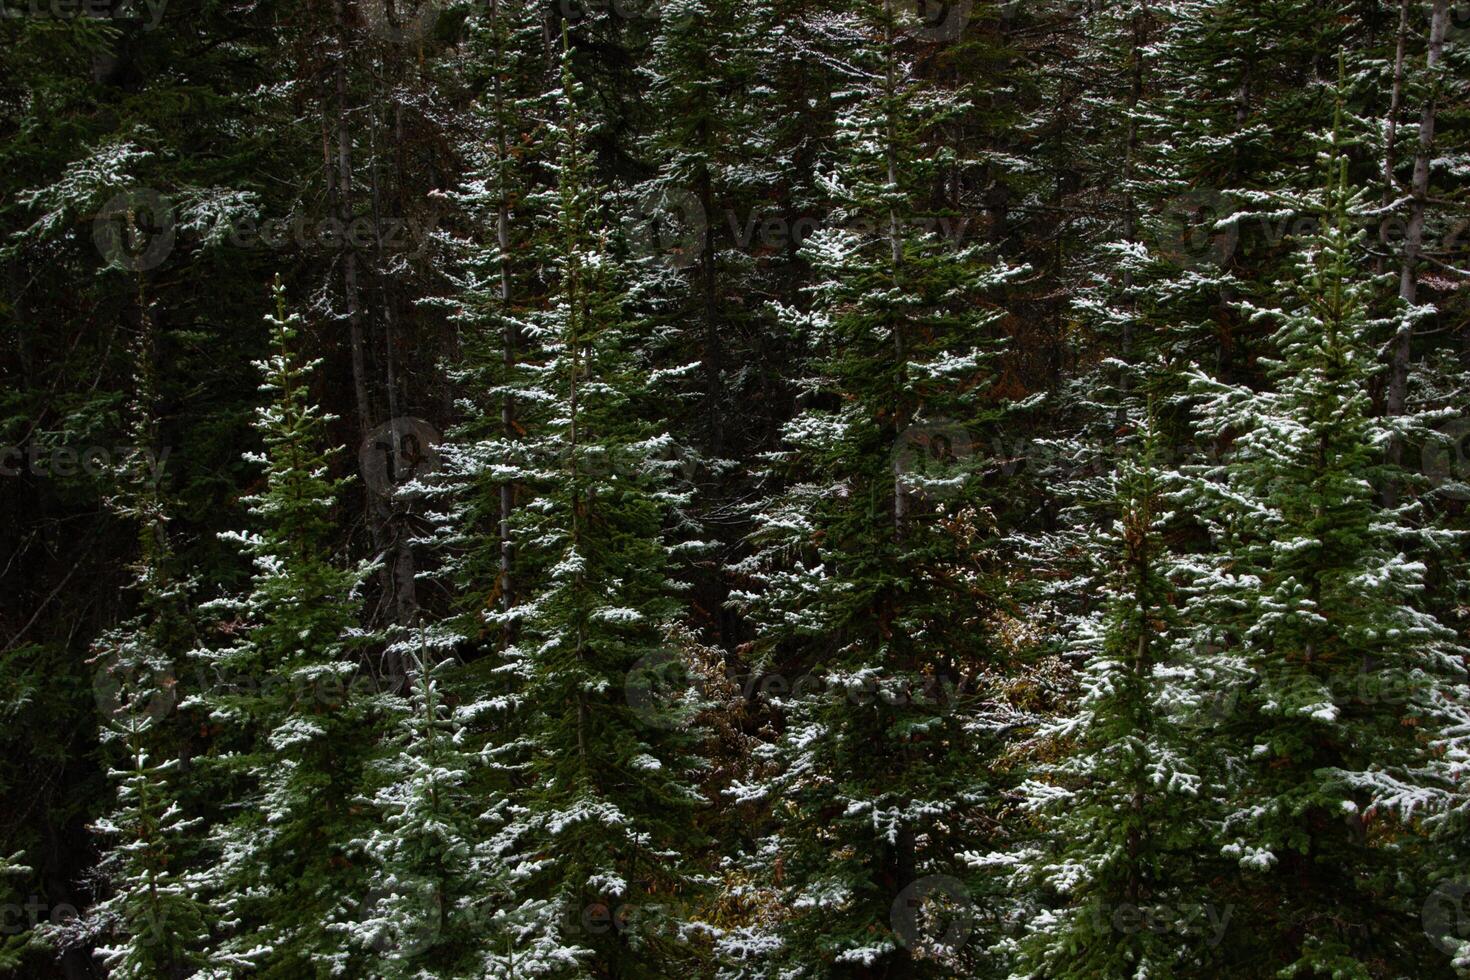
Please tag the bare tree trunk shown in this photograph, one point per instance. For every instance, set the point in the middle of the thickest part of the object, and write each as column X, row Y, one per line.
column 404, row 574
column 1399, row 348
column 713, row 351
column 343, row 188
column 510, row 339
column 389, row 549
column 1130, row 154
column 1395, row 106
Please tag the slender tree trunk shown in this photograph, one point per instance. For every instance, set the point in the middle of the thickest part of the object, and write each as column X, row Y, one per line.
column 1130, row 202
column 1130, row 152
column 351, row 294
column 509, row 341
column 377, row 510
column 1400, row 347
column 1391, row 129
column 1225, row 353
column 902, row 412
column 714, row 396
column 404, row 575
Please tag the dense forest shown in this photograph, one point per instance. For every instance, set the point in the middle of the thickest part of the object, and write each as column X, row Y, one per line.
column 734, row 489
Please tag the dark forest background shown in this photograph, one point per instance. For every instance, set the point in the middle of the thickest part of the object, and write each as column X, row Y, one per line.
column 951, row 347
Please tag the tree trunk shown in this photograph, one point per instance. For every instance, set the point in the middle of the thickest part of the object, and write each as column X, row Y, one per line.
column 1391, row 129
column 1399, row 348
column 509, row 340
column 404, row 576
column 713, row 352
column 343, row 192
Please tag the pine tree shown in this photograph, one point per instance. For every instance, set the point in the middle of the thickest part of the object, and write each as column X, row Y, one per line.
column 1226, row 168
column 495, row 282
column 153, row 906
column 440, row 899
column 700, row 260
column 1121, row 809
column 1112, row 301
column 295, row 726
column 1337, row 675
column 718, row 215
column 868, row 581
column 602, row 823
column 13, row 949
column 152, row 922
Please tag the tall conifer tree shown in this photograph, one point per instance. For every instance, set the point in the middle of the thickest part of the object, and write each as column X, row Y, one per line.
column 153, row 923
column 869, row 581
column 602, row 823
column 1110, row 888
column 1338, row 676
column 296, row 729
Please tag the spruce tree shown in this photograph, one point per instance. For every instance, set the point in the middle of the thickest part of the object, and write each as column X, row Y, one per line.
column 1109, row 889
column 294, row 725
column 19, row 941
column 152, row 922
column 1312, row 604
column 868, row 583
column 601, row 822
column 1226, row 166
column 440, row 895
column 494, row 283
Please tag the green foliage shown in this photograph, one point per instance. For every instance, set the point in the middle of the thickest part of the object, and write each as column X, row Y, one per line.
column 929, row 490
column 300, row 728
column 1337, row 673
